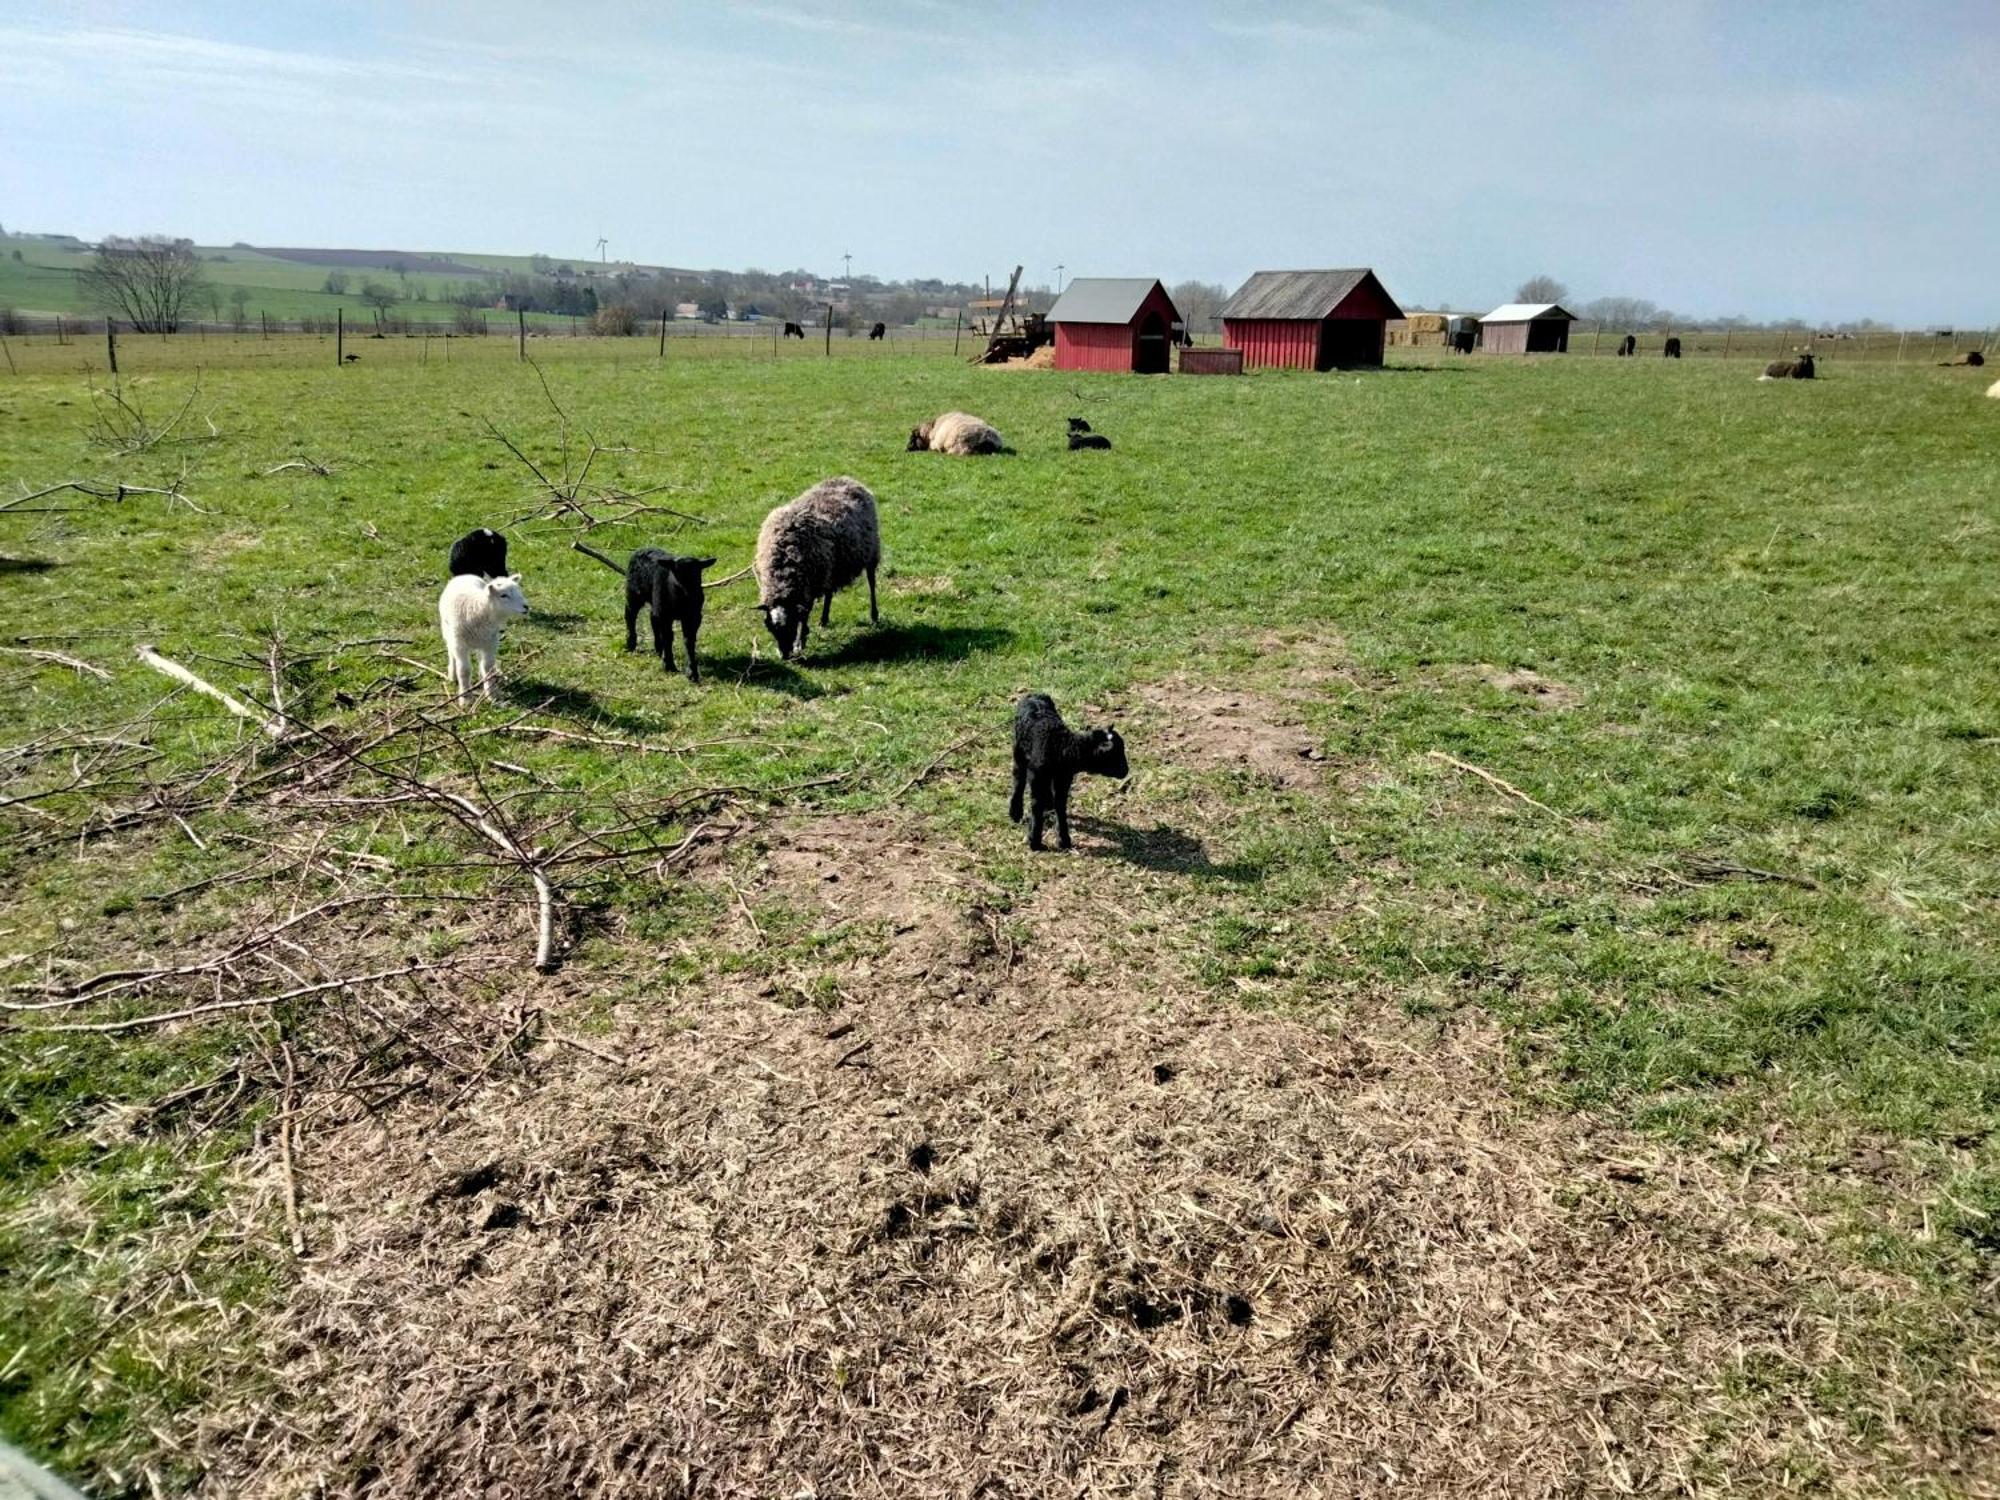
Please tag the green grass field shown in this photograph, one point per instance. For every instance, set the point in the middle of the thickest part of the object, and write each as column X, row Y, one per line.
column 1729, row 888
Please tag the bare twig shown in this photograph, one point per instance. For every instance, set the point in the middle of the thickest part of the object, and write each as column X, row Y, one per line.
column 275, row 728
column 924, row 775
column 617, row 568
column 733, row 577
column 1494, row 781
column 250, row 1002
column 57, row 658
column 287, row 1114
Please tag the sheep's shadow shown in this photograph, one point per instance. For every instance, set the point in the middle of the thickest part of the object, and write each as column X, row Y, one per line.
column 572, row 703
column 887, row 643
column 550, row 619
column 26, row 564
column 1165, row 849
column 769, row 672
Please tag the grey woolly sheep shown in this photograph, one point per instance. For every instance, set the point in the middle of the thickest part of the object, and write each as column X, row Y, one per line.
column 810, row 548
column 1789, row 369
column 956, row 432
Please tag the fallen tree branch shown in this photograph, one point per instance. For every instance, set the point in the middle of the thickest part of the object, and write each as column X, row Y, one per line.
column 924, row 775
column 725, row 582
column 249, row 1002
column 1494, row 781
column 57, row 658
column 593, row 552
column 275, row 728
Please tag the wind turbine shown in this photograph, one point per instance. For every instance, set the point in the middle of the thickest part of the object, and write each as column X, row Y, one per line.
column 1059, row 278
column 846, row 266
column 601, row 243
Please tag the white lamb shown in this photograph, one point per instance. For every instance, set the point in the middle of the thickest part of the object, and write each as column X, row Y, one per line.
column 471, row 612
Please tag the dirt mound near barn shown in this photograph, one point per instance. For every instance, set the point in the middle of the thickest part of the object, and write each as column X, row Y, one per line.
column 1011, row 1206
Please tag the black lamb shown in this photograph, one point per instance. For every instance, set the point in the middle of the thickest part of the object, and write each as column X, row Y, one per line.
column 1077, row 424
column 481, row 553
column 1087, row 440
column 670, row 587
column 1049, row 755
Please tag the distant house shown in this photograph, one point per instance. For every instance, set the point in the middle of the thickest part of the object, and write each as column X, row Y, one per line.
column 687, row 309
column 1115, row 323
column 1526, row 328
column 1309, row 320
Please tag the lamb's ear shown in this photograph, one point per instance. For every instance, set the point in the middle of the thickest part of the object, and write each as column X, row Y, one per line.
column 704, row 562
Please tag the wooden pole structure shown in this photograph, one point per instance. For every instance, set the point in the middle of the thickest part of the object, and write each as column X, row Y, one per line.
column 829, row 330
column 957, row 325
column 339, row 335
column 1899, row 345
column 9, row 350
column 1725, row 341
column 663, row 333
column 59, row 330
column 1596, row 335
column 111, row 344
column 521, row 313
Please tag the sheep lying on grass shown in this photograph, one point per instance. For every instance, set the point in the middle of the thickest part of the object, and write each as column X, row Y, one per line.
column 1993, row 390
column 809, row 549
column 1077, row 424
column 1049, row 755
column 1087, row 440
column 1789, row 369
column 670, row 587
column 481, row 553
column 955, row 432
column 471, row 613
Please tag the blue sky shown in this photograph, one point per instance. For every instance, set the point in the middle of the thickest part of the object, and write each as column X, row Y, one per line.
column 1826, row 160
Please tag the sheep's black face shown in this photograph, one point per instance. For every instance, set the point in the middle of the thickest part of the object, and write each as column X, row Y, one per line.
column 783, row 622
column 687, row 574
column 1107, row 754
column 918, row 442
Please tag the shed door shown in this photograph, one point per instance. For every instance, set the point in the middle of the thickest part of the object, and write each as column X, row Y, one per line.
column 1152, row 354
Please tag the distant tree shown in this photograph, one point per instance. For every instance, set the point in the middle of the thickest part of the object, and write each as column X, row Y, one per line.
column 540, row 265
column 1199, row 302
column 379, row 295
column 17, row 255
column 336, row 283
column 614, row 322
column 154, row 282
column 715, row 306
column 1613, row 312
column 1540, row 289
column 239, row 307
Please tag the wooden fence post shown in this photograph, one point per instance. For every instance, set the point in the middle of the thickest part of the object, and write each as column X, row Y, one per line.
column 339, row 335
column 111, row 343
column 663, row 333
column 1725, row 341
column 829, row 330
column 521, row 313
column 957, row 324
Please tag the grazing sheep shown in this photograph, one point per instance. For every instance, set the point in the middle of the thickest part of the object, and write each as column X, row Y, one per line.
column 471, row 613
column 1077, row 424
column 1627, row 346
column 1673, row 349
column 809, row 549
column 670, row 587
column 1789, row 369
column 1087, row 440
column 955, row 432
column 1049, row 756
column 481, row 553
column 793, row 331
column 879, row 331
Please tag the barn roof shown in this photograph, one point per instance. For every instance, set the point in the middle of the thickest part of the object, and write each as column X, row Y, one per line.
column 1102, row 299
column 1299, row 294
column 1528, row 312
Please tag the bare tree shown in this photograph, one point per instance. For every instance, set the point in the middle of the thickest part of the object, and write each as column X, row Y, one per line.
column 379, row 295
column 1199, row 302
column 1540, row 289
column 336, row 283
column 152, row 282
column 1621, row 312
column 239, row 308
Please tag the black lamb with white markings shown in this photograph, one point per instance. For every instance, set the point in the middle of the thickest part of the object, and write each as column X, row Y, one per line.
column 481, row 553
column 670, row 587
column 1049, row 756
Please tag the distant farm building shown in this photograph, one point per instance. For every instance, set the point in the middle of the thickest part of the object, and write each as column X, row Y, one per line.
column 1417, row 331
column 1309, row 320
column 1526, row 328
column 1123, row 323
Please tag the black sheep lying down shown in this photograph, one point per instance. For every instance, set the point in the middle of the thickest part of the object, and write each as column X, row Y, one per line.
column 1087, row 440
column 1049, row 755
column 670, row 587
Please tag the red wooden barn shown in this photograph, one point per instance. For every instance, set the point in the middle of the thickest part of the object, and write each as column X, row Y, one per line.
column 1309, row 320
column 1115, row 323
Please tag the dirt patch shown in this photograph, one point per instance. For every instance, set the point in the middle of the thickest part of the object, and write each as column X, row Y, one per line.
column 1231, row 729
column 1074, row 1228
column 1543, row 692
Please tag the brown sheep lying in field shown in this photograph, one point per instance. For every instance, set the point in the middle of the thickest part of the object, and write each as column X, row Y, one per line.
column 1789, row 369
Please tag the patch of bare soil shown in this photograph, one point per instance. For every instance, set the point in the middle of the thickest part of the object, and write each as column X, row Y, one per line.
column 1066, row 1226
column 1544, row 692
column 1231, row 729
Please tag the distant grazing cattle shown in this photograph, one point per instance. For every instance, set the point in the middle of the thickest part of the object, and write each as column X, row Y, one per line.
column 880, row 330
column 1627, row 345
column 793, row 331
column 1673, row 349
column 1789, row 369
